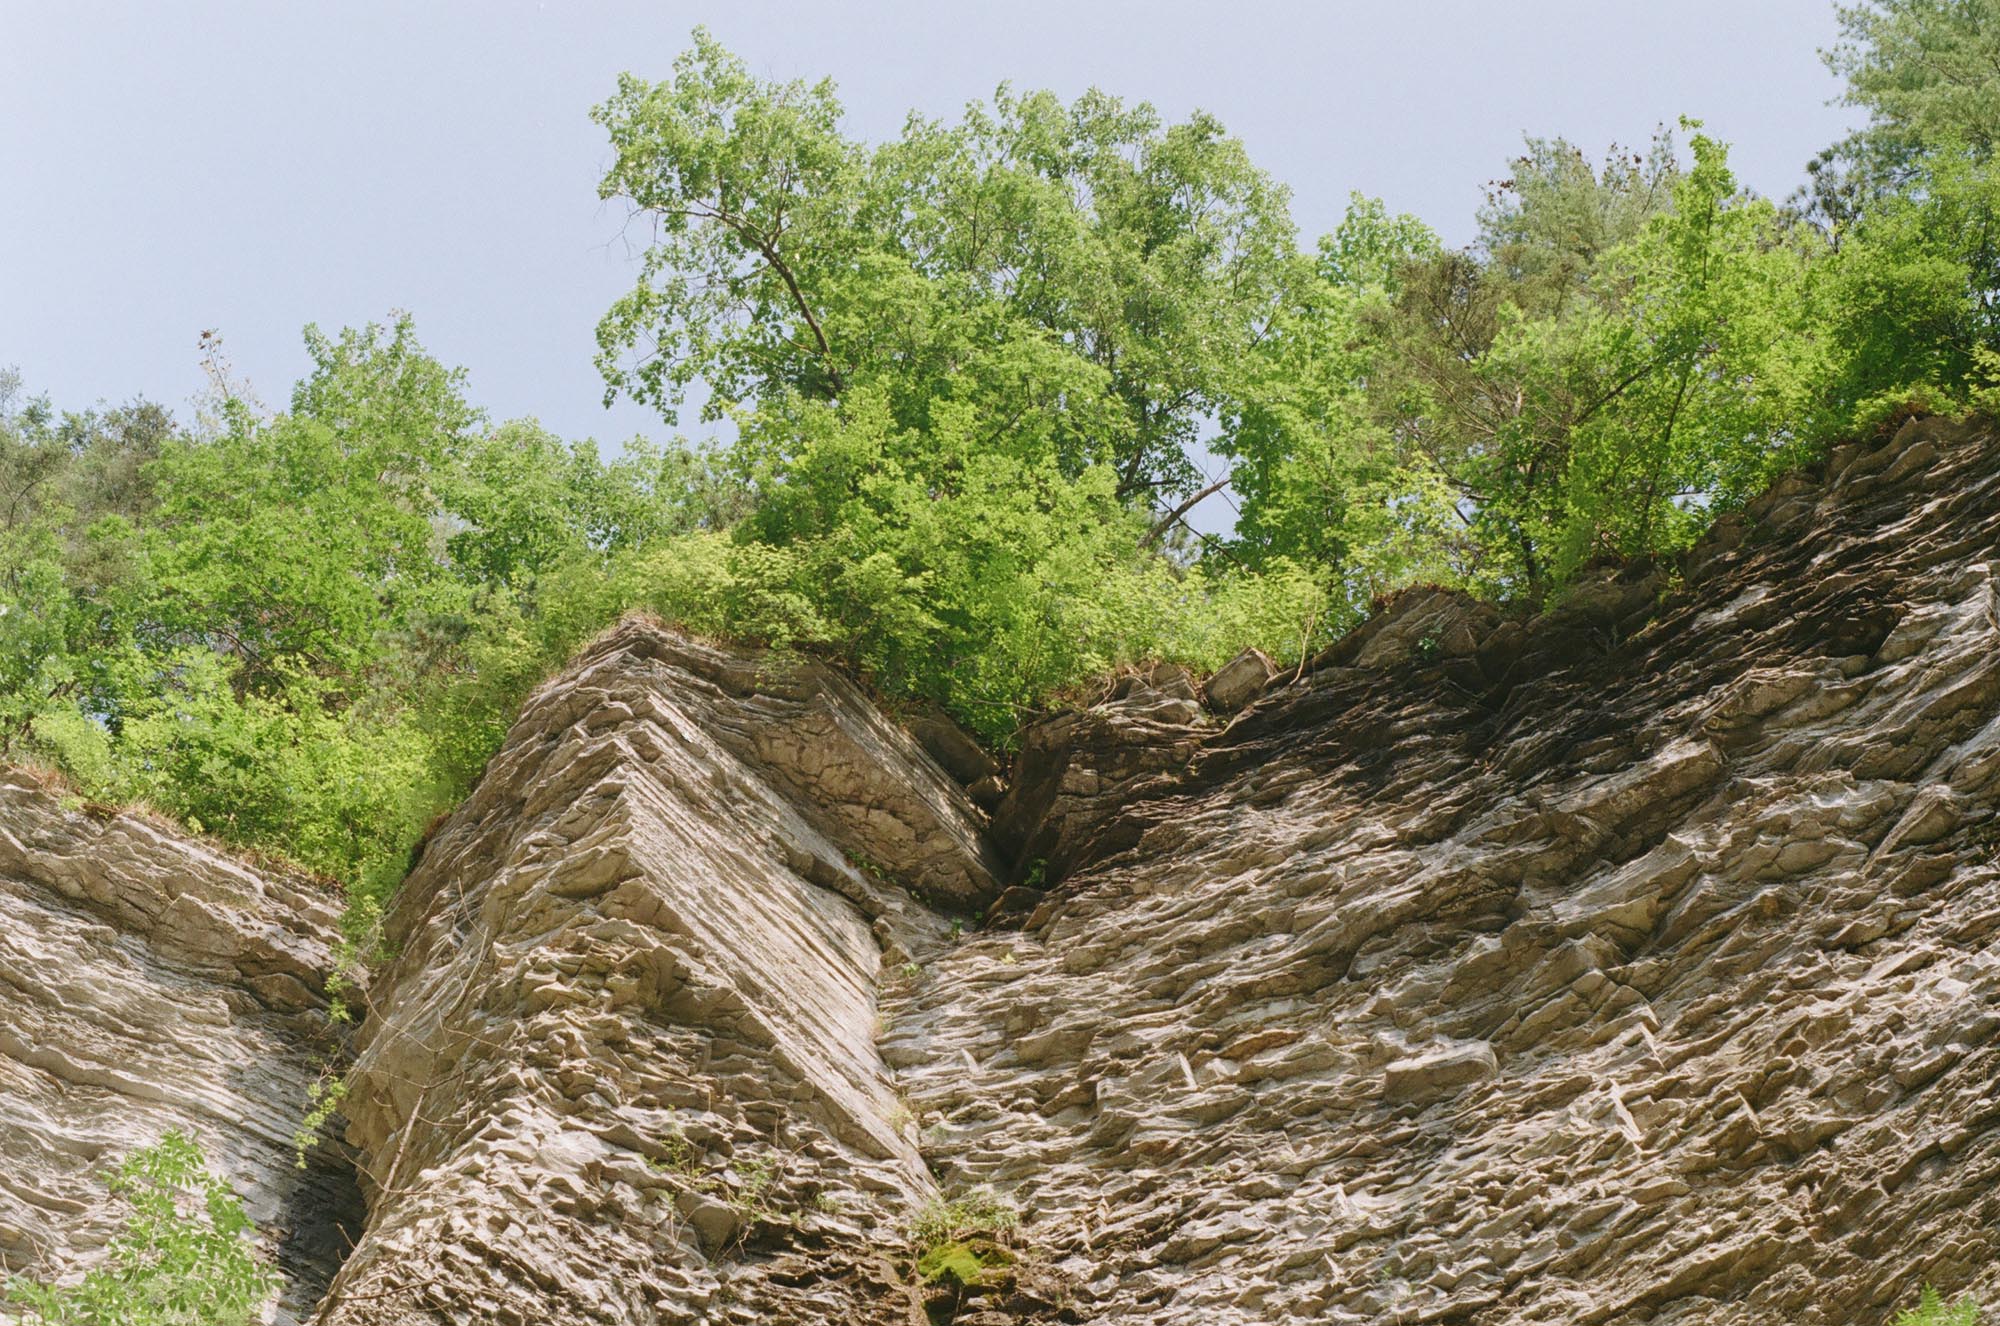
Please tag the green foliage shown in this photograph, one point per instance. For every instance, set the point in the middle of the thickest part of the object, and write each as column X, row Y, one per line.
column 758, row 1178
column 1070, row 285
column 962, row 1263
column 964, row 366
column 1630, row 348
column 1926, row 71
column 973, row 378
column 323, row 1100
column 1913, row 292
column 306, row 632
column 957, row 1240
column 980, row 1211
column 1932, row 1310
column 1622, row 354
column 186, row 1255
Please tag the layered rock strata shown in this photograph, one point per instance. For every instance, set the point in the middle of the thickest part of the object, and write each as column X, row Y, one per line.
column 1640, row 963
column 623, row 1065
column 1634, row 963
column 148, row 983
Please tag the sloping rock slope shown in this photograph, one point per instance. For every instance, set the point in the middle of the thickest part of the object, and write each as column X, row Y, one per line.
column 147, row 983
column 1642, row 965
column 623, row 1066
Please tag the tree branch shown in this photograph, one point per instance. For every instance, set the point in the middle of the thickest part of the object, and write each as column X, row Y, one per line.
column 1166, row 522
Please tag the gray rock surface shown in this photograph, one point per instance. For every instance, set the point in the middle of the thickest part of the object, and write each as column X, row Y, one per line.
column 1239, row 681
column 1638, row 964
column 623, row 1066
column 955, row 750
column 149, row 982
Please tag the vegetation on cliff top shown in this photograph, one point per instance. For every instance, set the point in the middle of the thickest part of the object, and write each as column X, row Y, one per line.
column 976, row 378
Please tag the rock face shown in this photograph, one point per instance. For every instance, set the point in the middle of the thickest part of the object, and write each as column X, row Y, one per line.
column 1636, row 963
column 1641, row 964
column 1239, row 681
column 148, row 983
column 623, row 1066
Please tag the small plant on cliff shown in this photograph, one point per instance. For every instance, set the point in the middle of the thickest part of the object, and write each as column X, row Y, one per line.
column 1932, row 1310
column 359, row 947
column 677, row 1154
column 323, row 1099
column 959, row 1241
column 186, row 1256
column 760, row 1176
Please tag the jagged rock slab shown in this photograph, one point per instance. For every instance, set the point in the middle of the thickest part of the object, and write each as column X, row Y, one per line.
column 1239, row 681
column 622, row 1067
column 148, row 982
column 1076, row 770
column 1635, row 964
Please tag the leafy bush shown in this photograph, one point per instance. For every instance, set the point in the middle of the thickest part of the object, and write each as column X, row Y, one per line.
column 976, row 374
column 186, row 1255
column 979, row 1211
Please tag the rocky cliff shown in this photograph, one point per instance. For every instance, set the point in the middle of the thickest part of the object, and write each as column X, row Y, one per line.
column 147, row 983
column 623, row 1067
column 1638, row 962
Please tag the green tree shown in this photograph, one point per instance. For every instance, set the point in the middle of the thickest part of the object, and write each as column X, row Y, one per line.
column 1086, row 263
column 1315, row 468
column 968, row 368
column 1626, row 347
column 1911, row 296
column 1927, row 72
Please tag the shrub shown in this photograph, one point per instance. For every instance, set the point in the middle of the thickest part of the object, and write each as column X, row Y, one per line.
column 956, row 1240
column 186, row 1256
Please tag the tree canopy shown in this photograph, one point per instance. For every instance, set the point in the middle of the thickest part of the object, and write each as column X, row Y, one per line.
column 1083, row 277
column 971, row 383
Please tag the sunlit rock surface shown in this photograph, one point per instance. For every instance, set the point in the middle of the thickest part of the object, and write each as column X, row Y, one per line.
column 148, row 982
column 623, row 1066
column 1638, row 964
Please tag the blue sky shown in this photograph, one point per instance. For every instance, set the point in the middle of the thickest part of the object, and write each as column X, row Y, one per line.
column 169, row 166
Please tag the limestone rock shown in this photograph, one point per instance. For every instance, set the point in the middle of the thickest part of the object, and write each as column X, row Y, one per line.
column 1074, row 770
column 148, row 983
column 1638, row 963
column 1650, row 975
column 1240, row 680
column 954, row 749
column 1635, row 962
column 988, row 793
column 1439, row 1073
column 624, row 1067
